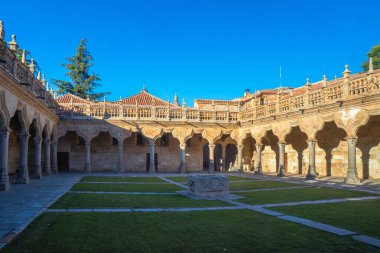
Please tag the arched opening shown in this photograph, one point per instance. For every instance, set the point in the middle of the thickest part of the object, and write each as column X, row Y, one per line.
column 270, row 153
column 231, row 157
column 296, row 145
column 71, row 150
column 218, row 158
column 206, row 157
column 104, row 153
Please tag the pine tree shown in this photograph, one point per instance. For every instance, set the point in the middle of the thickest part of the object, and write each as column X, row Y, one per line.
column 82, row 83
column 375, row 54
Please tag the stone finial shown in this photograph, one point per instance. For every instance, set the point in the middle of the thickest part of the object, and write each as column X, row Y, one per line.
column 324, row 81
column 2, row 31
column 43, row 81
column 120, row 98
column 370, row 67
column 39, row 76
column 87, row 97
column 183, row 103
column 47, row 86
column 176, row 99
column 13, row 44
column 32, row 66
column 23, row 57
column 307, row 82
column 346, row 73
column 144, row 88
column 104, row 100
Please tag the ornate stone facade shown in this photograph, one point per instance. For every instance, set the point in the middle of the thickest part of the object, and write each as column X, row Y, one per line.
column 327, row 128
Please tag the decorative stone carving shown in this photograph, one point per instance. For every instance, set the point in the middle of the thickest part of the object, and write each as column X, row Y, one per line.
column 350, row 119
column 239, row 135
column 208, row 186
column 258, row 134
column 87, row 133
column 152, row 132
column 120, row 134
column 182, row 134
column 281, row 130
column 212, row 134
column 311, row 126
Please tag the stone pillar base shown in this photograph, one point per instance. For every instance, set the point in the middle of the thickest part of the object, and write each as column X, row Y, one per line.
column 152, row 171
column 281, row 172
column 47, row 173
column 87, row 168
column 257, row 172
column 22, row 180
column 310, row 177
column 182, row 169
column 37, row 177
column 352, row 180
column 5, row 186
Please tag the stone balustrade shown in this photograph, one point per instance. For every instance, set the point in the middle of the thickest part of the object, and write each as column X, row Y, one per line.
column 24, row 73
column 316, row 95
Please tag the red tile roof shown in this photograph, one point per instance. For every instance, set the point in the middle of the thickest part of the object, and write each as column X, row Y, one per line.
column 145, row 99
column 70, row 98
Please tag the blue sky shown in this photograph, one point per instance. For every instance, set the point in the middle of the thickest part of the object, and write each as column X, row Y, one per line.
column 200, row 49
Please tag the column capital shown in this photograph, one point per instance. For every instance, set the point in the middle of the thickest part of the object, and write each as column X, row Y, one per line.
column 5, row 132
column 182, row 146
column 47, row 141
column 211, row 145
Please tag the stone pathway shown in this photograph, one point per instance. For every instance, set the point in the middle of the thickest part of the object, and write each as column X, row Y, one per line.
column 124, row 183
column 272, row 189
column 23, row 203
column 126, row 193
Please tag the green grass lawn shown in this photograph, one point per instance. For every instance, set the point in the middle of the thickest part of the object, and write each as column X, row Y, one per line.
column 74, row 200
column 193, row 232
column 258, row 185
column 121, row 179
column 293, row 195
column 237, row 178
column 126, row 187
column 359, row 216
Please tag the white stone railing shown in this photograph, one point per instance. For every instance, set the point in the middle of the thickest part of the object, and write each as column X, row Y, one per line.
column 25, row 75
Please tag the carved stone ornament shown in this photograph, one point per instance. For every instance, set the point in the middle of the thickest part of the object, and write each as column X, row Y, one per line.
column 152, row 132
column 311, row 126
column 350, row 119
column 212, row 134
column 182, row 134
column 281, row 130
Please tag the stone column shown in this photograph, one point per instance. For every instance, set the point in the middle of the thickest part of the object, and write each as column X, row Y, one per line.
column 312, row 173
column 224, row 158
column 23, row 172
column 47, row 143
column 152, row 144
column 120, row 163
column 281, row 160
column 258, row 169
column 87, row 162
column 182, row 158
column 54, row 164
column 37, row 157
column 240, row 158
column 4, row 143
column 211, row 148
column 352, row 172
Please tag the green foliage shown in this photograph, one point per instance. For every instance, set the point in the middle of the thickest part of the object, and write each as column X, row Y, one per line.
column 82, row 83
column 375, row 54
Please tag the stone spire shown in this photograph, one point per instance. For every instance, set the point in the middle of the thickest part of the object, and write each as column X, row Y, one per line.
column 39, row 75
column 307, row 82
column 2, row 31
column 324, row 81
column 43, row 81
column 176, row 99
column 183, row 103
column 23, row 57
column 13, row 44
column 144, row 88
column 370, row 67
column 32, row 66
column 346, row 73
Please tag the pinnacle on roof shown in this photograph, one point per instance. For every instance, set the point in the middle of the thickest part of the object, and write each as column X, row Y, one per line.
column 2, row 31
column 370, row 67
column 307, row 82
column 176, row 99
column 346, row 73
column 13, row 44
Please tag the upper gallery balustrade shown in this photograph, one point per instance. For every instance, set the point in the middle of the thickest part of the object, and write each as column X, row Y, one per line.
column 25, row 71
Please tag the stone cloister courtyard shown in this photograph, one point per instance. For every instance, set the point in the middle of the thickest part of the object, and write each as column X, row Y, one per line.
column 107, row 212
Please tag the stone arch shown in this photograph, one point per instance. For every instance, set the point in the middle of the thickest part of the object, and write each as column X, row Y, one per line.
column 231, row 156
column 294, row 150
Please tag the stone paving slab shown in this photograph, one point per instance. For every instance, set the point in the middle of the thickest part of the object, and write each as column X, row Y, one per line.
column 317, row 225
column 86, row 182
column 272, row 189
column 325, row 201
column 125, row 193
column 128, row 210
column 24, row 202
column 367, row 239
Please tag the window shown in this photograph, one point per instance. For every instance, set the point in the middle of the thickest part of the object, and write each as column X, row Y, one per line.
column 140, row 140
column 164, row 141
